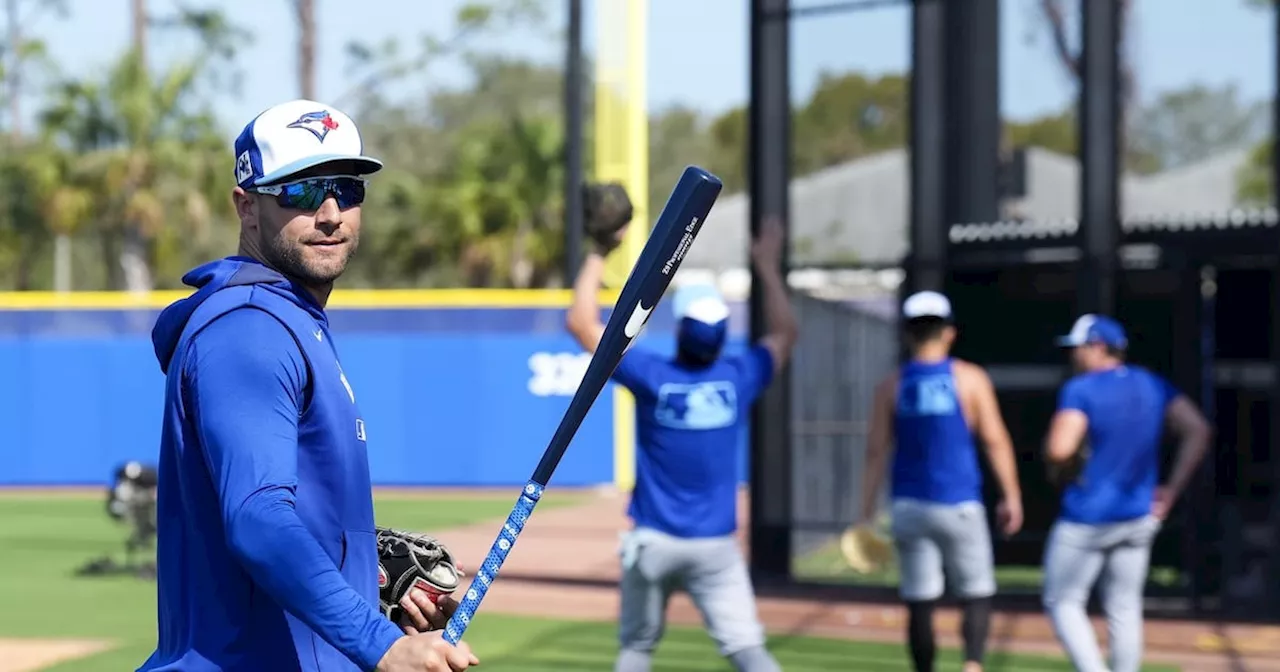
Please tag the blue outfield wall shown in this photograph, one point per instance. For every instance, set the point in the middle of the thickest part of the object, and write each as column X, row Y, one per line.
column 451, row 396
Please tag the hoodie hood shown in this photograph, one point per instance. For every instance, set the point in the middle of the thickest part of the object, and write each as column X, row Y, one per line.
column 216, row 275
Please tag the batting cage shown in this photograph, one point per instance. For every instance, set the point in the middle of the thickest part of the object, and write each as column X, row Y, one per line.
column 1023, row 236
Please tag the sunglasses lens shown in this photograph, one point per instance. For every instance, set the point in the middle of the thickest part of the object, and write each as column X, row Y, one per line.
column 302, row 195
column 309, row 194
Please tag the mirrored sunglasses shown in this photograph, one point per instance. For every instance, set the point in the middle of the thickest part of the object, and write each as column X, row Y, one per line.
column 309, row 193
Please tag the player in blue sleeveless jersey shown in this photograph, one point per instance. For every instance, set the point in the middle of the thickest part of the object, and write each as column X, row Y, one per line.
column 690, row 413
column 1112, row 510
column 924, row 417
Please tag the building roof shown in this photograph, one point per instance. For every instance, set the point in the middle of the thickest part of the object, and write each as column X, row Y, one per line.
column 857, row 213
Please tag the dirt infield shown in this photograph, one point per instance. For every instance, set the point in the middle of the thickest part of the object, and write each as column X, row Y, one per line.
column 565, row 565
column 30, row 655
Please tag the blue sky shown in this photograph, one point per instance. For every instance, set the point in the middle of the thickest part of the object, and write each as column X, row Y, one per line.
column 698, row 48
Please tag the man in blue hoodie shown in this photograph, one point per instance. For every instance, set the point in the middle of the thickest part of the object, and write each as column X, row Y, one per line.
column 266, row 555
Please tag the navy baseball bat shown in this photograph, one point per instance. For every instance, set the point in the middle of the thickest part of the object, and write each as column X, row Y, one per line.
column 677, row 226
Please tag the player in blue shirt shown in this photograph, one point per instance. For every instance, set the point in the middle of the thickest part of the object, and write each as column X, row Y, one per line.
column 925, row 416
column 1112, row 510
column 266, row 549
column 690, row 412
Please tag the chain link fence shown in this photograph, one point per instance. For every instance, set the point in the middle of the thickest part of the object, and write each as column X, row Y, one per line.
column 845, row 348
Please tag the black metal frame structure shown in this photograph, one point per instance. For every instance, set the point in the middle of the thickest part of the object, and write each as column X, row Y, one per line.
column 574, row 178
column 769, row 178
column 1163, row 272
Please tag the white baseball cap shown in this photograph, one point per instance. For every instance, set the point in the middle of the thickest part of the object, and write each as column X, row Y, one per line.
column 1092, row 328
column 701, row 302
column 291, row 137
column 926, row 304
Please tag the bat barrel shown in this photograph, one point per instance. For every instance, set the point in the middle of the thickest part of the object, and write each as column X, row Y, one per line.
column 492, row 564
column 682, row 217
column 669, row 241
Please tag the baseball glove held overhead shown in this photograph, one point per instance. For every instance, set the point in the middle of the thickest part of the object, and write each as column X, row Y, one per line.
column 407, row 560
column 607, row 210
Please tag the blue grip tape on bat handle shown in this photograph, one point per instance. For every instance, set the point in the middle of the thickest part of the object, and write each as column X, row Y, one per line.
column 488, row 571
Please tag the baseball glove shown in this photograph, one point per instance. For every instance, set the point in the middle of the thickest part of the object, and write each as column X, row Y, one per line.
column 1070, row 471
column 407, row 560
column 606, row 211
column 865, row 549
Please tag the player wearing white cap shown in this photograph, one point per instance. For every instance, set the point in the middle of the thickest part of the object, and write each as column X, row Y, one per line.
column 924, row 417
column 267, row 557
column 690, row 412
column 1104, row 441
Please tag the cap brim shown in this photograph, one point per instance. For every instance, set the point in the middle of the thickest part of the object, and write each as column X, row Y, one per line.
column 365, row 165
column 1067, row 342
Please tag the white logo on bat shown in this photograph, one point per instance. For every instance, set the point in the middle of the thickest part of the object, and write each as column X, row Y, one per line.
column 637, row 320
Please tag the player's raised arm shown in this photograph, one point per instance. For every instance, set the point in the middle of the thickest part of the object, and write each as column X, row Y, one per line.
column 998, row 445
column 781, row 330
column 583, row 319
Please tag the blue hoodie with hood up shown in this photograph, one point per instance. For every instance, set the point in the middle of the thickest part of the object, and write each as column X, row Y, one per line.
column 266, row 548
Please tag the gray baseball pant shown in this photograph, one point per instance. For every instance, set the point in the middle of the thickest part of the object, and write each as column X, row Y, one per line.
column 941, row 546
column 713, row 573
column 1076, row 557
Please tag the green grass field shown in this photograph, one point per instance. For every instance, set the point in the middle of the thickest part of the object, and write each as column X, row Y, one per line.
column 44, row 538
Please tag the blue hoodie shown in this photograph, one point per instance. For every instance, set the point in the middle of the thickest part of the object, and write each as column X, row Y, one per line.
column 266, row 551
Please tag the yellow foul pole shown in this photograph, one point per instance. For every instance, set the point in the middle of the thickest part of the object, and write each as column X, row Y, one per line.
column 622, row 155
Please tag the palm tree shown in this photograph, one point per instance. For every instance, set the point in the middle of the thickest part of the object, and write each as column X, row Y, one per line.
column 142, row 155
column 305, row 11
column 148, row 153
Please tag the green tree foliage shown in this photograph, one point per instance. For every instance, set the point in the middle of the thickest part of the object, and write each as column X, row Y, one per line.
column 149, row 156
column 1187, row 125
column 848, row 116
column 128, row 163
column 481, row 202
column 1254, row 180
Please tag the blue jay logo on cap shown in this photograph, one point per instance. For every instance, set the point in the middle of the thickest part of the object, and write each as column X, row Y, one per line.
column 318, row 123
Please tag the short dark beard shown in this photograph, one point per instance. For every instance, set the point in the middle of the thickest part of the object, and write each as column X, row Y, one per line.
column 286, row 256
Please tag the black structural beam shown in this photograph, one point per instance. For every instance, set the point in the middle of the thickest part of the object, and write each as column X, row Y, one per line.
column 971, row 111
column 573, row 172
column 768, row 161
column 1273, row 576
column 1099, row 154
column 926, row 260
